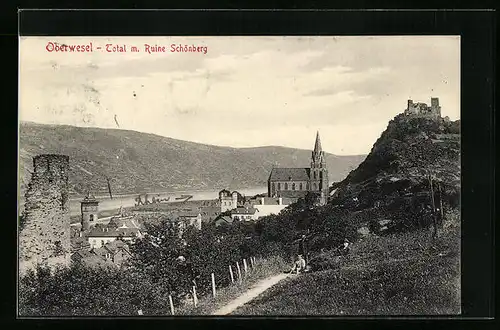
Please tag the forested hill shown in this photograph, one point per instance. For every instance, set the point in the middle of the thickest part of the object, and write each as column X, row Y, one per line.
column 139, row 162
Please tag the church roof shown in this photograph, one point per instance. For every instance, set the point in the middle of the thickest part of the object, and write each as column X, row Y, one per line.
column 292, row 194
column 293, row 174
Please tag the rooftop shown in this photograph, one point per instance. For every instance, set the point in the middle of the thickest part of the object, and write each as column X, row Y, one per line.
column 90, row 199
column 289, row 174
column 113, row 232
column 244, row 210
column 224, row 219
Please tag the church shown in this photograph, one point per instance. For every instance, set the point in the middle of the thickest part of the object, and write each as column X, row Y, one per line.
column 296, row 182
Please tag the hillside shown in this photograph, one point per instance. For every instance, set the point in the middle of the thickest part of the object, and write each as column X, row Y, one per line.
column 393, row 181
column 400, row 274
column 139, row 162
column 395, row 264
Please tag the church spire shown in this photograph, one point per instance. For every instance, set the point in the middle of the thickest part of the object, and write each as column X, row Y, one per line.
column 317, row 153
column 317, row 144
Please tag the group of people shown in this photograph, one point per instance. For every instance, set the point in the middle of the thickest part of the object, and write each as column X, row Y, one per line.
column 300, row 265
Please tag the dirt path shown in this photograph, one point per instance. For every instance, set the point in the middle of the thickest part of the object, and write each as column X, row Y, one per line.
column 251, row 294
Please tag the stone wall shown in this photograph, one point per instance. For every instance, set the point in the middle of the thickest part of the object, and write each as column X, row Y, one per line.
column 44, row 235
column 423, row 110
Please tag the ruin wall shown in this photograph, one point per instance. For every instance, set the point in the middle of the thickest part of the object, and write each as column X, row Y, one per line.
column 44, row 234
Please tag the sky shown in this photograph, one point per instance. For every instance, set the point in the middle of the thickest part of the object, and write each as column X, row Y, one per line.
column 245, row 91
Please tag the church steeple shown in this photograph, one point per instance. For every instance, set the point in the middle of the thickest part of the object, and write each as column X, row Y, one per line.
column 317, row 145
column 319, row 172
column 317, row 154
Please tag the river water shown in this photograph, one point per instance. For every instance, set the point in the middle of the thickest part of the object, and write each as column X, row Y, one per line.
column 106, row 203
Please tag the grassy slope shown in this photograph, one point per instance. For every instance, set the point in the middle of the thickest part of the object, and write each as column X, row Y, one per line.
column 139, row 162
column 207, row 305
column 403, row 274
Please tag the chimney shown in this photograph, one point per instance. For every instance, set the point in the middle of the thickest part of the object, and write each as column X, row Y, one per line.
column 262, row 200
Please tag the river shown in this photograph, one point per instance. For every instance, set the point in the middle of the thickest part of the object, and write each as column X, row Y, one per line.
column 106, row 203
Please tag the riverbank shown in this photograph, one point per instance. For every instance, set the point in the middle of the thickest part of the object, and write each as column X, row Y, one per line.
column 108, row 204
column 245, row 191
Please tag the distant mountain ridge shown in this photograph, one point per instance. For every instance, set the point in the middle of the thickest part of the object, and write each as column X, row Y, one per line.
column 139, row 162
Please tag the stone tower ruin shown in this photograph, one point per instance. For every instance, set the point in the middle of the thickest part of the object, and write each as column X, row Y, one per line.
column 423, row 110
column 44, row 235
column 89, row 211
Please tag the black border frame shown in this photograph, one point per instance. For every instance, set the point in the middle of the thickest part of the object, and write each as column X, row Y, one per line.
column 477, row 31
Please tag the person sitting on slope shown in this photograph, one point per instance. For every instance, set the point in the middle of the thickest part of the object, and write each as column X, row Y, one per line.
column 299, row 266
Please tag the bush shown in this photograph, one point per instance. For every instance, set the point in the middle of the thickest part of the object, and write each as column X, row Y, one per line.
column 325, row 261
column 84, row 291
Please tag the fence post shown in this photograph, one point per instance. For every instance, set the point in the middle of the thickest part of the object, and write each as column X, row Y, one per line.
column 231, row 273
column 213, row 284
column 195, row 298
column 251, row 262
column 245, row 266
column 239, row 271
column 140, row 312
column 171, row 305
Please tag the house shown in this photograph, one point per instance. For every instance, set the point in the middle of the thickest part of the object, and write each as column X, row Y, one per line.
column 271, row 205
column 116, row 252
column 209, row 213
column 224, row 220
column 182, row 219
column 103, row 234
column 79, row 243
column 190, row 218
column 296, row 182
column 125, row 222
column 110, row 254
column 245, row 213
column 89, row 258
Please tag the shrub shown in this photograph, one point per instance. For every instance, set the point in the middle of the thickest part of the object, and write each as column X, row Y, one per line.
column 81, row 291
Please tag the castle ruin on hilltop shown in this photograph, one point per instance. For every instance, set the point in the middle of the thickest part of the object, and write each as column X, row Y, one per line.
column 44, row 235
column 423, row 110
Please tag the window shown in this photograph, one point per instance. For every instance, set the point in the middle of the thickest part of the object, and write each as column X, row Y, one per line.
column 307, row 186
column 91, row 217
column 279, row 186
column 274, row 188
column 314, row 186
column 314, row 175
column 300, row 186
column 293, row 186
column 286, row 186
